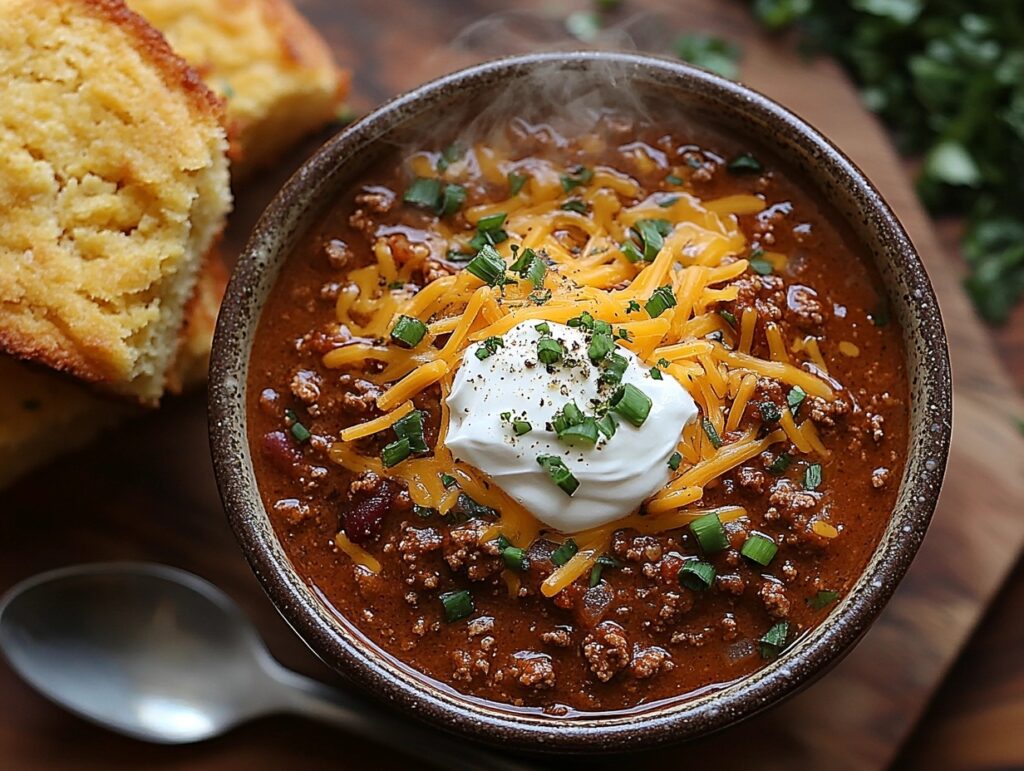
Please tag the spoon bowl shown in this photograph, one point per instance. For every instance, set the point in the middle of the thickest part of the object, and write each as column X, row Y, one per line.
column 151, row 651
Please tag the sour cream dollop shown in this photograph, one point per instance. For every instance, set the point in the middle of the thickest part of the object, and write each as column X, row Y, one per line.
column 615, row 475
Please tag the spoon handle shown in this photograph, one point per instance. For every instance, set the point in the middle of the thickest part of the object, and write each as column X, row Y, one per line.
column 313, row 699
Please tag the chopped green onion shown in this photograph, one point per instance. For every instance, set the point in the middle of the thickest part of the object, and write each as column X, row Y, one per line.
column 489, row 347
column 656, row 373
column 515, row 183
column 668, row 203
column 515, row 558
column 601, row 327
column 423, row 512
column 604, row 561
column 575, row 206
column 760, row 549
column 795, row 398
column 457, row 605
column 300, row 432
column 745, row 163
column 812, row 476
column 652, row 232
column 607, row 425
column 564, row 553
column 452, row 200
column 395, row 453
column 451, row 154
column 632, row 306
column 448, row 481
column 780, row 464
column 661, row 300
column 491, row 222
column 506, row 416
column 456, row 256
column 520, row 427
column 601, row 344
column 672, row 179
column 584, row 320
column 466, row 508
column 674, row 460
column 761, row 266
column 631, row 252
column 488, row 266
column 408, row 331
column 584, row 431
column 531, row 267
column 581, row 175
column 411, row 427
column 549, row 350
column 712, row 434
column 423, row 193
column 613, row 368
column 664, row 363
column 488, row 238
column 822, row 599
column 632, row 404
column 697, row 575
column 770, row 413
column 559, row 473
column 729, row 316
column 774, row 640
column 710, row 533
column 540, row 296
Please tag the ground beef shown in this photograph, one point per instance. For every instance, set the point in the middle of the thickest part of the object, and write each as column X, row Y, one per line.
column 559, row 637
column 376, row 198
column 731, row 583
column 879, row 478
column 763, row 293
column 826, row 412
column 325, row 338
column 360, row 396
column 338, row 253
column 294, row 511
column 404, row 250
column 730, row 629
column 875, row 424
column 791, row 503
column 752, row 479
column 533, row 670
column 306, row 386
column 649, row 662
column 773, row 596
column 637, row 548
column 479, row 626
column 434, row 269
column 464, row 552
column 803, row 309
column 606, row 650
column 414, row 545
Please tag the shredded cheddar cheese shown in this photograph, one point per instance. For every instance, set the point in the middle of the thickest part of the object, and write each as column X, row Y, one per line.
column 703, row 250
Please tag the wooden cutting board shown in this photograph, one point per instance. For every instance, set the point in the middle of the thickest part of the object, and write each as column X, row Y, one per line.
column 146, row 492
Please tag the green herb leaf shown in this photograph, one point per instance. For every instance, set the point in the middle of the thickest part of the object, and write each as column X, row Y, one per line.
column 710, row 52
column 515, row 183
column 559, row 473
column 774, row 641
column 745, row 163
column 564, row 553
column 423, row 193
column 822, row 599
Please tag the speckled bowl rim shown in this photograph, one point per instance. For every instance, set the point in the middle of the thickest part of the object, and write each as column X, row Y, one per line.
column 832, row 175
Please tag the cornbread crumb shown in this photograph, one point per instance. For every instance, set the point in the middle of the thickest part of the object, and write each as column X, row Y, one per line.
column 113, row 184
column 275, row 72
column 44, row 414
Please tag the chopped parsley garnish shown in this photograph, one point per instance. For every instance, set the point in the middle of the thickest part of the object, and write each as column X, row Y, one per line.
column 559, row 473
column 489, row 347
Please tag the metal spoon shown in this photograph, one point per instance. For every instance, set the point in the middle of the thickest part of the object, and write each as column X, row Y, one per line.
column 163, row 656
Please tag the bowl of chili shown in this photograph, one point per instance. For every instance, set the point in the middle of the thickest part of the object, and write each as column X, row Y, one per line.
column 416, row 520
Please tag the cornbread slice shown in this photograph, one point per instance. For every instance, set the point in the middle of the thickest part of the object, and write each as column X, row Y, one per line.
column 44, row 414
column 276, row 73
column 113, row 185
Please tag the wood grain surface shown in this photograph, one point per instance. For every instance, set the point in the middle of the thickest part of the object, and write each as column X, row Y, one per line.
column 146, row 491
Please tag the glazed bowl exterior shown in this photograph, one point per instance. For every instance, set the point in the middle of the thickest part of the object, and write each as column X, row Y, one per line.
column 823, row 169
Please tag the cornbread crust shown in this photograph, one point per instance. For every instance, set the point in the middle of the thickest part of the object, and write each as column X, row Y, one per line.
column 44, row 413
column 275, row 72
column 113, row 183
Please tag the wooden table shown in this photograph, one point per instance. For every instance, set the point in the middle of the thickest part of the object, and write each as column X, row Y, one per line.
column 147, row 491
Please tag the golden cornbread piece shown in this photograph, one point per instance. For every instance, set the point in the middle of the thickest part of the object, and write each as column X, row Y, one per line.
column 44, row 414
column 276, row 73
column 113, row 185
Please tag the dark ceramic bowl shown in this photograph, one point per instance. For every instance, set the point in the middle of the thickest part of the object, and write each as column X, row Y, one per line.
column 701, row 96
